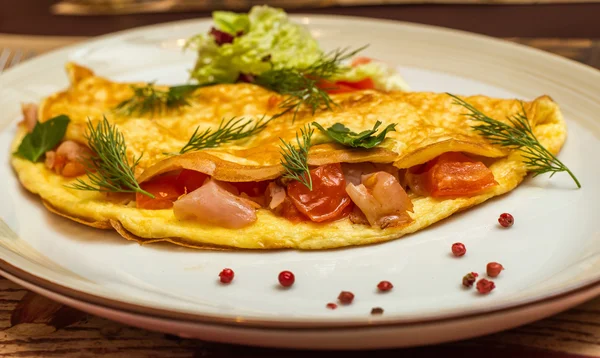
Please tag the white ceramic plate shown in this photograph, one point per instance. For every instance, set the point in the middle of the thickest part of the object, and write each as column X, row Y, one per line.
column 552, row 250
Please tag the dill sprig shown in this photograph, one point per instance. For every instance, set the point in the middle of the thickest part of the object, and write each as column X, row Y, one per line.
column 295, row 160
column 108, row 169
column 517, row 135
column 301, row 85
column 230, row 130
column 150, row 100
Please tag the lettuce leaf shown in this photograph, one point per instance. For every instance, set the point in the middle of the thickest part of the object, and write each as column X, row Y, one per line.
column 271, row 39
column 231, row 22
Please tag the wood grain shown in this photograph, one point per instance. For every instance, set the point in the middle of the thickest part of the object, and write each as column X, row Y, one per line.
column 586, row 51
column 34, row 327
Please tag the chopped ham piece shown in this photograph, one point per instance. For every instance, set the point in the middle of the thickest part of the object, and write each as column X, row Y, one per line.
column 30, row 115
column 215, row 203
column 275, row 195
column 51, row 160
column 67, row 159
column 381, row 199
column 353, row 172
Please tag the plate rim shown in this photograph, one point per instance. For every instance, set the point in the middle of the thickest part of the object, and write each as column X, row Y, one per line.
column 292, row 323
column 256, row 333
column 85, row 297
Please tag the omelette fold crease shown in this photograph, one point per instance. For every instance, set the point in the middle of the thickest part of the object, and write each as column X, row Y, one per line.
column 428, row 124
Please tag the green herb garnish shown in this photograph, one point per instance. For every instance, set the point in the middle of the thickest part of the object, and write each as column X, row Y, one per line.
column 151, row 100
column 364, row 139
column 518, row 135
column 301, row 85
column 295, row 160
column 227, row 131
column 108, row 169
column 43, row 138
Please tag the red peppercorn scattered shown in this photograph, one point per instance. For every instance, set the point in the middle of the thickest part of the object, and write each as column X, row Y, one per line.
column 346, row 297
column 506, row 220
column 226, row 276
column 286, row 278
column 377, row 310
column 459, row 249
column 493, row 269
column 331, row 306
column 385, row 286
column 485, row 286
column 469, row 279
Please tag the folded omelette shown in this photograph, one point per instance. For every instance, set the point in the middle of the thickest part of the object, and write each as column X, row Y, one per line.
column 237, row 195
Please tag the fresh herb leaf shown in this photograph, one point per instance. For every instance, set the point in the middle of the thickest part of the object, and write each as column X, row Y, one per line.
column 364, row 139
column 295, row 160
column 109, row 170
column 43, row 138
column 231, row 130
column 151, row 100
column 517, row 135
column 303, row 86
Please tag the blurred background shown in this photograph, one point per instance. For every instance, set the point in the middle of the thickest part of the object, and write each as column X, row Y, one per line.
column 567, row 27
column 529, row 18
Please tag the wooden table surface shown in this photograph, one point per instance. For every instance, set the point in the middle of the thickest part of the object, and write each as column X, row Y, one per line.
column 33, row 326
column 553, row 19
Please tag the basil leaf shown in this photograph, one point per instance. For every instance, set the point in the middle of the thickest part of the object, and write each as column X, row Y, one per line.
column 364, row 139
column 44, row 137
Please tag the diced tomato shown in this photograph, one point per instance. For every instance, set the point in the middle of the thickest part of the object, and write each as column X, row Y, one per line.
column 190, row 180
column 346, row 211
column 251, row 188
column 366, row 83
column 334, row 87
column 165, row 191
column 442, row 158
column 328, row 197
column 289, row 211
column 451, row 175
column 345, row 86
column 361, row 61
